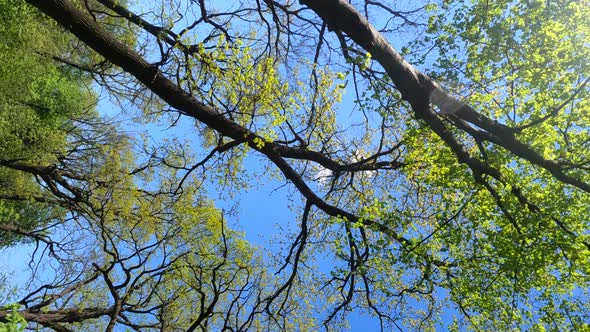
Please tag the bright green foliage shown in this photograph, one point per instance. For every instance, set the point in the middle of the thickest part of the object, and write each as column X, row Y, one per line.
column 497, row 261
column 526, row 63
column 38, row 101
column 169, row 250
column 15, row 322
column 255, row 92
column 475, row 251
column 171, row 255
column 258, row 94
column 437, row 245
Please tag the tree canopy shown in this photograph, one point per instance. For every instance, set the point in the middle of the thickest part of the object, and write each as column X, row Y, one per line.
column 436, row 153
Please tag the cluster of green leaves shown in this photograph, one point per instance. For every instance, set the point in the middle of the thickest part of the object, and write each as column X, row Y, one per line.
column 481, row 252
column 504, row 253
column 38, row 100
column 516, row 62
column 260, row 93
column 14, row 321
column 526, row 65
column 46, row 115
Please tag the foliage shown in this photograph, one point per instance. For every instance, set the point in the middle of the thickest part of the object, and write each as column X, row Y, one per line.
column 455, row 198
column 14, row 321
column 117, row 233
column 38, row 102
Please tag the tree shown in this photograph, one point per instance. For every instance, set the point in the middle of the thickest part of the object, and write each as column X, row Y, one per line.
column 462, row 189
column 117, row 244
column 33, row 118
